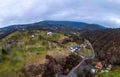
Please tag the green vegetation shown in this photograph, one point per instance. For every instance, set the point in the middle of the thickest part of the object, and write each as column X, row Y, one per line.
column 23, row 49
column 11, row 63
column 39, row 49
column 78, row 33
column 85, row 52
column 114, row 73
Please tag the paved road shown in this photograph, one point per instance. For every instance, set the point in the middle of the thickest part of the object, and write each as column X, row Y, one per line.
column 81, row 66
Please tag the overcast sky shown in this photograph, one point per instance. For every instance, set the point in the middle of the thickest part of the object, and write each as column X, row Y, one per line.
column 104, row 12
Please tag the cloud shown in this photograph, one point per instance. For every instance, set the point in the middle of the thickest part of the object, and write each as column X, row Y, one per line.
column 117, row 20
column 104, row 12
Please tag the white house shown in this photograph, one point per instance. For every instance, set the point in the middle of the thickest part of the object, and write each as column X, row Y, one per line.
column 74, row 48
column 49, row 33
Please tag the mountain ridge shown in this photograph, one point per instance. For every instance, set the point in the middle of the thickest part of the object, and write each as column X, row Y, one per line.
column 73, row 23
column 55, row 26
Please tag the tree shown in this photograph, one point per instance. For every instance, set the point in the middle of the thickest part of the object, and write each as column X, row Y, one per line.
column 4, row 52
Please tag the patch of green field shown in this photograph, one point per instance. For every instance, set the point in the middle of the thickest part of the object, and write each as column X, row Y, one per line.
column 36, row 49
column 114, row 73
column 85, row 52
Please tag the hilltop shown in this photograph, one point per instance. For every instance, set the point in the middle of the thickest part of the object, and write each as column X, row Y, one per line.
column 56, row 26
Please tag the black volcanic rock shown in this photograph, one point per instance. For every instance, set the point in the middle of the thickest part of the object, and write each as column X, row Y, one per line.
column 106, row 44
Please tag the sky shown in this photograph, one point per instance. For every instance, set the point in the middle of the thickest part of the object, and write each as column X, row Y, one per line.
column 103, row 12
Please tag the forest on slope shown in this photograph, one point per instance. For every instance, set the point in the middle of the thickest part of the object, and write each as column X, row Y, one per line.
column 106, row 44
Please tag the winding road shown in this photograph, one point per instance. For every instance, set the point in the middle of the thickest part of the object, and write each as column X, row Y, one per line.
column 81, row 66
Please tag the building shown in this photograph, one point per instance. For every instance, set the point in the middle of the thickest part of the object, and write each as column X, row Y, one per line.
column 99, row 65
column 49, row 33
column 74, row 48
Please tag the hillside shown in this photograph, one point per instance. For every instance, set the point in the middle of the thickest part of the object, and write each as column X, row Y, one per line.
column 43, row 49
column 106, row 44
column 23, row 53
column 23, row 48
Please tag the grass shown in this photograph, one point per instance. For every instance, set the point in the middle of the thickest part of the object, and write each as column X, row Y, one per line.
column 85, row 52
column 35, row 50
column 28, row 51
column 11, row 64
column 39, row 49
column 114, row 73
